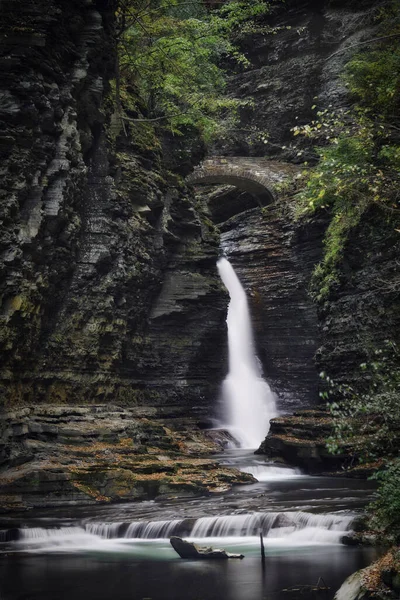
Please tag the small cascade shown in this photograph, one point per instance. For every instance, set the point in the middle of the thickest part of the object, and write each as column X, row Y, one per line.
column 248, row 400
column 62, row 539
column 274, row 525
column 38, row 533
column 143, row 530
column 155, row 529
column 287, row 528
column 109, row 531
column 270, row 473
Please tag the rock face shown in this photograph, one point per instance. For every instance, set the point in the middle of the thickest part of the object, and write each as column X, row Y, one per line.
column 364, row 309
column 108, row 287
column 300, row 440
column 299, row 67
column 108, row 282
column 189, row 550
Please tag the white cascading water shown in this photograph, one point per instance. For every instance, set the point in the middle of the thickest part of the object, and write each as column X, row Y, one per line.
column 270, row 473
column 249, row 402
column 279, row 528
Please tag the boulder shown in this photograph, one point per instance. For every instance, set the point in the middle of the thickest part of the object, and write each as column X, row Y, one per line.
column 352, row 588
column 189, row 550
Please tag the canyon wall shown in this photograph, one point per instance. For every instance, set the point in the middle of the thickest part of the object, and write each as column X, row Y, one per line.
column 112, row 314
column 108, row 281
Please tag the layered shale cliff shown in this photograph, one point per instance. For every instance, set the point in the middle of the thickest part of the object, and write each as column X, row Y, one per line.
column 104, row 253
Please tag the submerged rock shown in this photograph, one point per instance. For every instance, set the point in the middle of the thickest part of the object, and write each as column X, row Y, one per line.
column 190, row 550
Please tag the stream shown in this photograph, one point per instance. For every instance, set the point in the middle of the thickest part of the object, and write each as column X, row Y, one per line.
column 122, row 551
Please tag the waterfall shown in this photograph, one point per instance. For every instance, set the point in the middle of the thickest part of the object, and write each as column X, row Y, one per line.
column 37, row 533
column 248, row 400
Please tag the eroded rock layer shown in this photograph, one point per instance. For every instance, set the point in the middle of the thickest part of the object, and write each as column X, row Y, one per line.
column 58, row 455
column 108, row 280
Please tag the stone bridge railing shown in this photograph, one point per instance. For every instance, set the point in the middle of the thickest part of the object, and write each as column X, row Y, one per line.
column 256, row 175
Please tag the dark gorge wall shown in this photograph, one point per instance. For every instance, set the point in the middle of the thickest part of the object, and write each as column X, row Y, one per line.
column 112, row 314
column 104, row 254
column 297, row 68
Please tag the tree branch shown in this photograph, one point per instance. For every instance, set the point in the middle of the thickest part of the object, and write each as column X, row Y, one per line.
column 385, row 37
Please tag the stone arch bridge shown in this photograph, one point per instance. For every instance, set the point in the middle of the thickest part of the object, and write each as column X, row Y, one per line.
column 257, row 175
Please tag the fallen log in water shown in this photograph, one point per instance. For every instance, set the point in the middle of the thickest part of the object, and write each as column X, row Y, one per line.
column 189, row 550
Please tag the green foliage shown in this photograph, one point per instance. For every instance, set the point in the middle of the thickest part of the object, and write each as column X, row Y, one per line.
column 386, row 508
column 354, row 172
column 368, row 420
column 359, row 153
column 374, row 76
column 367, row 426
column 169, row 57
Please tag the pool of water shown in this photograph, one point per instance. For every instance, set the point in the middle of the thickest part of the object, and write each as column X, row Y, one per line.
column 123, row 552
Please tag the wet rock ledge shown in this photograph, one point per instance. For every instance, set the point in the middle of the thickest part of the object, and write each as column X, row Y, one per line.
column 300, row 440
column 58, row 455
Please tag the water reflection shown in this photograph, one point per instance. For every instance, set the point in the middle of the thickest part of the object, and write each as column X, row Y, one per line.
column 104, row 578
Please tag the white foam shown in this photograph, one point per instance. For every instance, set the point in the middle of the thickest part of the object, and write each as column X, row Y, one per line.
column 267, row 473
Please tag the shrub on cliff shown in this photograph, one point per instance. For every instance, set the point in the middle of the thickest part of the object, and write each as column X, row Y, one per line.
column 359, row 149
column 386, row 508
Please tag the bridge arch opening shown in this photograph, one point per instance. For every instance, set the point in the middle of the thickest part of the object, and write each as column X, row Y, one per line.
column 226, row 201
column 239, row 187
column 247, row 182
column 242, row 182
